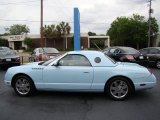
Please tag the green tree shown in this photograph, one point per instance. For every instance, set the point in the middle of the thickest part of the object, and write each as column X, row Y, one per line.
column 49, row 31
column 56, row 32
column 65, row 28
column 28, row 41
column 91, row 34
column 68, row 28
column 154, row 31
column 3, row 42
column 116, row 31
column 130, row 31
column 17, row 29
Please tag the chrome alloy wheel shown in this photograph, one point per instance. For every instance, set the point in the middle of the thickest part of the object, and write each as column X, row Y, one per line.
column 119, row 89
column 22, row 86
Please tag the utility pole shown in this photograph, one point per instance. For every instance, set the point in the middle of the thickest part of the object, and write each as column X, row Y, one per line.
column 149, row 22
column 41, row 25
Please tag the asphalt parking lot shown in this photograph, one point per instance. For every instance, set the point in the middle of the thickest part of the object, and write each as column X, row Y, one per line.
column 144, row 105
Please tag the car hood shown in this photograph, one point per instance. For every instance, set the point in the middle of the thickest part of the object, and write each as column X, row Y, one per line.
column 11, row 56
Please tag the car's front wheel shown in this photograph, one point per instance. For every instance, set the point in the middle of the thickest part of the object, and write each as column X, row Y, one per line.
column 23, row 85
column 118, row 88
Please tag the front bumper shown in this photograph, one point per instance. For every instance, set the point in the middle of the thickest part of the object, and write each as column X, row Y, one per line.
column 9, row 64
column 8, row 83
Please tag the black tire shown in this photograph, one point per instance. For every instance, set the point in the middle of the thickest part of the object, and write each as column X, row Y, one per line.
column 23, row 86
column 118, row 88
column 158, row 64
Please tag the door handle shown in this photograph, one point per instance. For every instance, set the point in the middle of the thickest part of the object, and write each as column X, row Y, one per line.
column 86, row 72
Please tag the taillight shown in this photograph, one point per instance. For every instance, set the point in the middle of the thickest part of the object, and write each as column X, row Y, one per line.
column 129, row 57
column 149, row 70
column 40, row 57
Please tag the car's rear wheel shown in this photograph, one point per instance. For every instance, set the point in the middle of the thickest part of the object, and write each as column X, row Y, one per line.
column 118, row 88
column 23, row 85
column 158, row 64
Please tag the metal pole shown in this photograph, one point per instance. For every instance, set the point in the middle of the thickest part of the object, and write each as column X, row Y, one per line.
column 45, row 42
column 149, row 23
column 41, row 30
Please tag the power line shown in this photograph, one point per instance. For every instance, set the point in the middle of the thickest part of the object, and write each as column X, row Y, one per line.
column 49, row 21
column 19, row 2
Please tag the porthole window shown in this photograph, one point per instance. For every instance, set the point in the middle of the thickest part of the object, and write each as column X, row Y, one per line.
column 97, row 60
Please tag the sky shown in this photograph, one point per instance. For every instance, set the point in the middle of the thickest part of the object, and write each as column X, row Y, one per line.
column 95, row 15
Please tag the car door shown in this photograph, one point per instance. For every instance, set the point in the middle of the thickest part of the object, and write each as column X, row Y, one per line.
column 73, row 72
column 153, row 55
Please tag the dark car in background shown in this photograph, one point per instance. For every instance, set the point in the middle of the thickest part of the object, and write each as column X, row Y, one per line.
column 153, row 54
column 43, row 54
column 126, row 54
column 8, row 58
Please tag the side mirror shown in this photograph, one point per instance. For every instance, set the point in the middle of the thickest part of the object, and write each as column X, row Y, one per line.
column 56, row 64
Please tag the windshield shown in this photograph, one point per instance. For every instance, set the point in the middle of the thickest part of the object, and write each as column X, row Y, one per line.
column 6, row 53
column 4, row 48
column 130, row 50
column 51, row 60
column 50, row 50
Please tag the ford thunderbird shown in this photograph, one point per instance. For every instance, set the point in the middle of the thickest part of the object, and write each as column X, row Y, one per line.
column 81, row 71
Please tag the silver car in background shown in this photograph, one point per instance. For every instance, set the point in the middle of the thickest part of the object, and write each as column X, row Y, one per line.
column 43, row 54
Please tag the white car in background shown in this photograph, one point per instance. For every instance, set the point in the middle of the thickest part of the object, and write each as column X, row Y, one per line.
column 43, row 54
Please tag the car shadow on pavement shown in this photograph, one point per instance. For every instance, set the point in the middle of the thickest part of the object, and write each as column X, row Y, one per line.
column 50, row 95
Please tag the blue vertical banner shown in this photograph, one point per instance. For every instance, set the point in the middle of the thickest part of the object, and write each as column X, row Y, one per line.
column 76, row 29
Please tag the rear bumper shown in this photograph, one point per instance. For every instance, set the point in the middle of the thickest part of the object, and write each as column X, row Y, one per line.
column 149, row 83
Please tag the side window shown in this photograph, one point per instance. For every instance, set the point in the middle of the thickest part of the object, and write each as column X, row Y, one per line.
column 40, row 50
column 74, row 60
column 112, row 50
column 153, row 51
column 117, row 51
column 34, row 51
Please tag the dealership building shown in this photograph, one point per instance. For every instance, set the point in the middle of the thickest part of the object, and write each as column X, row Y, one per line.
column 16, row 42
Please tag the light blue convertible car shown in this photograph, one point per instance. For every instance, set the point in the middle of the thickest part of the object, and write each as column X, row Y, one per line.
column 89, row 71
